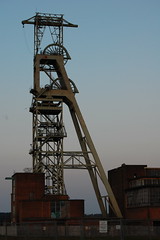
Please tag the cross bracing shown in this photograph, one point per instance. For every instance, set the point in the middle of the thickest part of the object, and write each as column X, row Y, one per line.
column 49, row 96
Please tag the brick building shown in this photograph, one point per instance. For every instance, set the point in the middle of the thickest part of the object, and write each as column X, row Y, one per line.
column 30, row 203
column 137, row 190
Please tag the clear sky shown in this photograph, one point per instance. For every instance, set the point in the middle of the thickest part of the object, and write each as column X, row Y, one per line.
column 116, row 67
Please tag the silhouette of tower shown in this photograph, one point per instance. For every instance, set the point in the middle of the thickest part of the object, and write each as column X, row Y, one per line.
column 52, row 89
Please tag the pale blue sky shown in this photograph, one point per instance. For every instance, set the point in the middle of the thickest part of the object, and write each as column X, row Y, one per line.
column 115, row 65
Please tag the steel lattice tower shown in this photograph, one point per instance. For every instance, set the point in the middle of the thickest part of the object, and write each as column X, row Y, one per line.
column 52, row 89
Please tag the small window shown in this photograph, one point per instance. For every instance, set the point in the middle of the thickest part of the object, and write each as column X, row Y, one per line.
column 156, row 223
column 31, row 195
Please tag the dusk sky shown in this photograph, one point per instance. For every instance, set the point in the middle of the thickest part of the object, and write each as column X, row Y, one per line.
column 115, row 65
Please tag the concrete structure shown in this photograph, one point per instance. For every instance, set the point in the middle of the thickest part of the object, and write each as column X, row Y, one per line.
column 137, row 190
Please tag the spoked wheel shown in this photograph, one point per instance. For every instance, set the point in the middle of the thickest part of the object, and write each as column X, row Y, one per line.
column 56, row 49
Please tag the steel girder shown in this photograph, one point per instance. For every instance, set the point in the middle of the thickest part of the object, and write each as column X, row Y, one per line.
column 47, row 105
column 47, row 110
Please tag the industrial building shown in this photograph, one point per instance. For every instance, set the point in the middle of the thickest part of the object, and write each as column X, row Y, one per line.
column 39, row 199
column 30, row 203
column 137, row 191
column 41, row 195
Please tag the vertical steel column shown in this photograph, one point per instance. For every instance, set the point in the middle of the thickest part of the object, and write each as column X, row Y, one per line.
column 47, row 109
